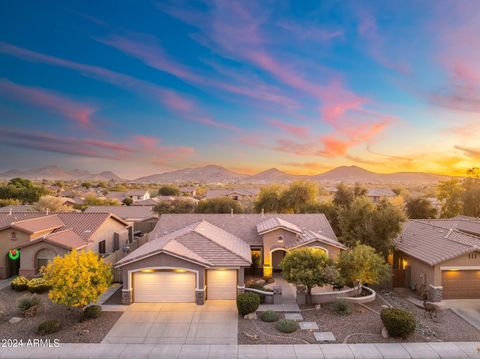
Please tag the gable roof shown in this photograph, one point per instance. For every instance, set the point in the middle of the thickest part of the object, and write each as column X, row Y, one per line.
column 274, row 223
column 380, row 192
column 39, row 224
column 124, row 212
column 462, row 223
column 311, row 236
column 434, row 244
column 244, row 226
column 200, row 242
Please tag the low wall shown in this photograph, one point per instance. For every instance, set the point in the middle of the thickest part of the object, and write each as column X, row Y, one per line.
column 269, row 297
column 347, row 294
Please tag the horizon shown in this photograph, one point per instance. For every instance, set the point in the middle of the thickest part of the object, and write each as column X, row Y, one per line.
column 387, row 87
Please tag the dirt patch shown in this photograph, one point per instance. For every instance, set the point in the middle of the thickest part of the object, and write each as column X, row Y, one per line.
column 73, row 330
column 363, row 325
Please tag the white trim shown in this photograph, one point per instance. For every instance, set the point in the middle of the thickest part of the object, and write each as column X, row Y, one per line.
column 436, row 286
column 459, row 268
column 277, row 228
column 133, row 260
column 318, row 240
column 131, row 272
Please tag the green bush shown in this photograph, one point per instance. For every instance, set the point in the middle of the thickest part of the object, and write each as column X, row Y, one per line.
column 247, row 303
column 342, row 307
column 399, row 322
column 92, row 311
column 28, row 302
column 260, row 287
column 19, row 284
column 286, row 326
column 38, row 285
column 49, row 327
column 269, row 316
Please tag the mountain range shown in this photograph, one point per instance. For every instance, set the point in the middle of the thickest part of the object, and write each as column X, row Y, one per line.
column 218, row 174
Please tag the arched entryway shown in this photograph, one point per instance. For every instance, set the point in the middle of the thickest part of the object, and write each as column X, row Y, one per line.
column 43, row 257
column 277, row 256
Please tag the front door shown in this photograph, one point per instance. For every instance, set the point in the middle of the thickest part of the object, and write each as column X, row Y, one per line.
column 277, row 257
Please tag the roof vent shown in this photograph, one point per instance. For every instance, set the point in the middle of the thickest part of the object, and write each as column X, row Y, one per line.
column 449, row 232
column 10, row 212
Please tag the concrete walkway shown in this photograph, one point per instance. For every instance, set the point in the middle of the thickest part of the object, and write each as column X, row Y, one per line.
column 4, row 283
column 302, row 351
column 289, row 292
column 216, row 322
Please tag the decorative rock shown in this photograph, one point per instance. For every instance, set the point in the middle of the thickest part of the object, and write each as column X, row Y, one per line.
column 260, row 282
column 318, row 307
column 325, row 337
column 15, row 320
column 385, row 333
column 251, row 316
column 293, row 316
column 308, row 325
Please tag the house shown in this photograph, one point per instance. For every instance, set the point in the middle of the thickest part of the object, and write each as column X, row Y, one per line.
column 39, row 237
column 439, row 257
column 140, row 218
column 242, row 195
column 378, row 194
column 18, row 208
column 188, row 191
column 198, row 257
column 135, row 195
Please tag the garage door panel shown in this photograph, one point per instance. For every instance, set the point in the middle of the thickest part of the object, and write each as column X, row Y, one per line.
column 221, row 284
column 158, row 287
column 462, row 284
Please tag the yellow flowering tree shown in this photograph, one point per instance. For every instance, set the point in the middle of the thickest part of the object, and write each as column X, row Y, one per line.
column 78, row 278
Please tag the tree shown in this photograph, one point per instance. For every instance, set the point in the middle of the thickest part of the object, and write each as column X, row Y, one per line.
column 450, row 193
column 362, row 265
column 218, row 205
column 180, row 205
column 168, row 190
column 309, row 267
column 329, row 210
column 127, row 201
column 21, row 189
column 77, row 279
column 299, row 195
column 86, row 185
column 269, row 199
column 420, row 208
column 9, row 202
column 471, row 195
column 51, row 204
column 373, row 225
column 345, row 195
column 92, row 200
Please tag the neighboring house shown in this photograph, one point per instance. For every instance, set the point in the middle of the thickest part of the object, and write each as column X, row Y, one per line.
column 242, row 195
column 140, row 218
column 439, row 257
column 188, row 191
column 135, row 195
column 19, row 208
column 378, row 194
column 174, row 198
column 194, row 257
column 40, row 237
column 146, row 202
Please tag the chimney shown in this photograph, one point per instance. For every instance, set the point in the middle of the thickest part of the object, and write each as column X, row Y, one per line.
column 263, row 212
column 10, row 212
column 231, row 212
column 47, row 211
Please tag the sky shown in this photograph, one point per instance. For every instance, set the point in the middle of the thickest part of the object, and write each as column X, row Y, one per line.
column 143, row 87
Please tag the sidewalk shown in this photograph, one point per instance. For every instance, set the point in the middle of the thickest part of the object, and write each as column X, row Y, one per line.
column 312, row 351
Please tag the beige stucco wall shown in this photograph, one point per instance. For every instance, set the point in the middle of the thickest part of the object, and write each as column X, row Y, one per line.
column 332, row 251
column 106, row 232
column 270, row 240
column 161, row 260
column 421, row 274
column 6, row 244
column 29, row 254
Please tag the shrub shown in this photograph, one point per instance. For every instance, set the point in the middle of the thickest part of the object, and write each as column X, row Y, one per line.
column 399, row 322
column 260, row 287
column 27, row 302
column 38, row 285
column 19, row 284
column 92, row 312
column 49, row 327
column 247, row 303
column 342, row 307
column 269, row 316
column 286, row 326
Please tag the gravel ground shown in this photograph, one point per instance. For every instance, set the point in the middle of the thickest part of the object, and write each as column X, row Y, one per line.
column 362, row 326
column 73, row 329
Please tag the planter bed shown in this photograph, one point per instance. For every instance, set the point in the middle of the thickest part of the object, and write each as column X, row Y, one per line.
column 72, row 330
column 362, row 326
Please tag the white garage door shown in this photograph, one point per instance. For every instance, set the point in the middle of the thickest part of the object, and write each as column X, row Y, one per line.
column 168, row 287
column 221, row 284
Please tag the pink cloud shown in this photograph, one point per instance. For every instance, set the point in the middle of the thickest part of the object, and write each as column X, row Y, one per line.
column 177, row 103
column 49, row 100
column 298, row 131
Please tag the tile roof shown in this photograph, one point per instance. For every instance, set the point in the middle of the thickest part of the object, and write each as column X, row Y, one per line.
column 40, row 224
column 200, row 242
column 311, row 236
column 462, row 223
column 18, row 208
column 380, row 192
column 66, row 238
column 434, row 244
column 273, row 223
column 244, row 226
column 124, row 212
column 215, row 193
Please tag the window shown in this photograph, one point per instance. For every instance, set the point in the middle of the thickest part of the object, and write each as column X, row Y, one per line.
column 101, row 247
column 14, row 236
column 280, row 239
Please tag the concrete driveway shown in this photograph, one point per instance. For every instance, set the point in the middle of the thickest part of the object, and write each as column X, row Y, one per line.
column 468, row 309
column 216, row 322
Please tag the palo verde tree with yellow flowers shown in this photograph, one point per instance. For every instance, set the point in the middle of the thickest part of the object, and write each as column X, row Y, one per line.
column 77, row 279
